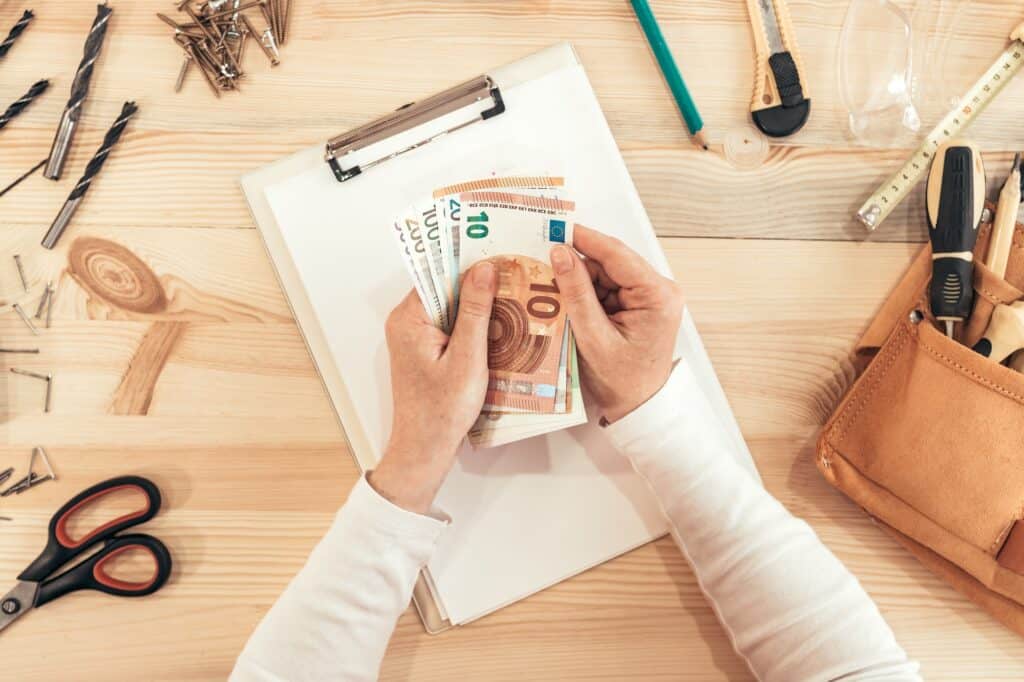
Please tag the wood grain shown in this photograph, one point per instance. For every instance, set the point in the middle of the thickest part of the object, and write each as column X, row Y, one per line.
column 239, row 434
column 134, row 394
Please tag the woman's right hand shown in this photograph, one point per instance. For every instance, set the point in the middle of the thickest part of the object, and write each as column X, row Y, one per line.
column 625, row 317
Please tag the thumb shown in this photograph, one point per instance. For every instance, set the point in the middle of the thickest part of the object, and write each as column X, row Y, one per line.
column 476, row 298
column 588, row 318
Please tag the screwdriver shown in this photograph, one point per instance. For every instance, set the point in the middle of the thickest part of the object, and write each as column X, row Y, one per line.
column 956, row 198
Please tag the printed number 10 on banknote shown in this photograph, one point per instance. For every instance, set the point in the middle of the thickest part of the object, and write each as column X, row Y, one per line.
column 528, row 322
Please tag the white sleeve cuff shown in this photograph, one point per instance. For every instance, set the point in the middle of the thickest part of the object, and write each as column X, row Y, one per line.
column 373, row 510
column 659, row 412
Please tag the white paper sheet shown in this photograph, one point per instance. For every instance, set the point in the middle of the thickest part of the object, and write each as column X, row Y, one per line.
column 536, row 512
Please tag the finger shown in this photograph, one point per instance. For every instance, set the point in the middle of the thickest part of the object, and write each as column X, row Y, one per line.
column 408, row 326
column 589, row 321
column 611, row 303
column 476, row 298
column 624, row 266
column 662, row 294
column 599, row 277
column 406, row 315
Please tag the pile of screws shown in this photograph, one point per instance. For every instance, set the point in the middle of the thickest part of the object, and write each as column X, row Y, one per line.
column 214, row 39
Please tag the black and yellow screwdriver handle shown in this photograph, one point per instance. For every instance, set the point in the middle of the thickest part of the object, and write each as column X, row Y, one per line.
column 956, row 198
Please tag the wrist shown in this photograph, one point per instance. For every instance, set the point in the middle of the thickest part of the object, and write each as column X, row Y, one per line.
column 620, row 409
column 409, row 476
column 614, row 413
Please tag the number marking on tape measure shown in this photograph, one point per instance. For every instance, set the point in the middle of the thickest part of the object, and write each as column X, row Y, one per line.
column 878, row 207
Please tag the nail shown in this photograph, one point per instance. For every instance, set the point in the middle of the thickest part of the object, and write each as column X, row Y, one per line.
column 21, row 272
column 562, row 260
column 49, row 303
column 483, row 275
column 42, row 303
column 24, row 318
column 34, row 375
column 181, row 74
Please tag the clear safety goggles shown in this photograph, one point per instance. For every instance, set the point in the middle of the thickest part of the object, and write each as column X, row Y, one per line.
column 891, row 59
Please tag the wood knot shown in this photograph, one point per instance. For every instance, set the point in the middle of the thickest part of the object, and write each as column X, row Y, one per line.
column 114, row 274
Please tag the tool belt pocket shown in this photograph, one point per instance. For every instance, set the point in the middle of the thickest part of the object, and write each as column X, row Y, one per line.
column 930, row 440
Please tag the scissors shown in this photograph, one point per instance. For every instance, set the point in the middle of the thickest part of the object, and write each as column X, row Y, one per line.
column 40, row 583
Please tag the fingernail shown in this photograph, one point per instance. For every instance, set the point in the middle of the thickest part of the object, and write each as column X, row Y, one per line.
column 562, row 260
column 483, row 275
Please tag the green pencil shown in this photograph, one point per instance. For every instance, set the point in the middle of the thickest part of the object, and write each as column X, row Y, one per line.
column 675, row 81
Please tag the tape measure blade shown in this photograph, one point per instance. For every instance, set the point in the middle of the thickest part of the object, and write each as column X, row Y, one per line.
column 888, row 196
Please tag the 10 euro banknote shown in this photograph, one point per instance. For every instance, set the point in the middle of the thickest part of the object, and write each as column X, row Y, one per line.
column 513, row 221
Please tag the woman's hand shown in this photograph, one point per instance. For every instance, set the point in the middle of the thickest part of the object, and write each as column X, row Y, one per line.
column 625, row 317
column 438, row 386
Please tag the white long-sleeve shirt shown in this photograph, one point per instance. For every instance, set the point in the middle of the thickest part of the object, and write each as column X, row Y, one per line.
column 792, row 609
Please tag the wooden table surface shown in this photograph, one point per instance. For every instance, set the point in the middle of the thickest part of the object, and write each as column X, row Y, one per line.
column 235, row 425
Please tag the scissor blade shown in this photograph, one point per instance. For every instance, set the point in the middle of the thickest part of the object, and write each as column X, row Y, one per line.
column 17, row 602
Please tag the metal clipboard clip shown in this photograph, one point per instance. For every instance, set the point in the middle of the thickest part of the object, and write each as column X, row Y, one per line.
column 410, row 116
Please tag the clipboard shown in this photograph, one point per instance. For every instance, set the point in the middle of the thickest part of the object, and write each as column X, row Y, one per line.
column 528, row 515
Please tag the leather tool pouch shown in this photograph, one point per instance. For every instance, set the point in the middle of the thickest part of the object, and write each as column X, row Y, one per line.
column 930, row 438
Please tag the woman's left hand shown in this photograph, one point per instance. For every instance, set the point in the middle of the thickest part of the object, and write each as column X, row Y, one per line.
column 438, row 386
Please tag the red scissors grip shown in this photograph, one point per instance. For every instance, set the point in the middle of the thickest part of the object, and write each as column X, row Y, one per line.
column 64, row 516
column 61, row 548
column 91, row 574
column 102, row 577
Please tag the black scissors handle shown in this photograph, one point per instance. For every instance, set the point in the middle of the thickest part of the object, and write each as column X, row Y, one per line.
column 90, row 574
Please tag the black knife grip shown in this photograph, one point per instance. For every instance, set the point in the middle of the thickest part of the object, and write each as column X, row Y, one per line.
column 787, row 78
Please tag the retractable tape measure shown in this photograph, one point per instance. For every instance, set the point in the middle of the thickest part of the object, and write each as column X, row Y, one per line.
column 878, row 207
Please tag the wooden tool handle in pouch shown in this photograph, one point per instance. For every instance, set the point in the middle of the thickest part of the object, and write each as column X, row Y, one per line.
column 929, row 438
column 782, row 101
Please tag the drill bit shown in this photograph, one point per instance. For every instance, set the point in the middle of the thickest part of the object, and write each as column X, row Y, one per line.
column 78, row 193
column 79, row 89
column 16, row 31
column 38, row 88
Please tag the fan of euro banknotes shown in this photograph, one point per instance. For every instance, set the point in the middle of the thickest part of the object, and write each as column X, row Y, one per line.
column 513, row 221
